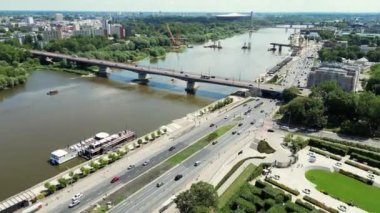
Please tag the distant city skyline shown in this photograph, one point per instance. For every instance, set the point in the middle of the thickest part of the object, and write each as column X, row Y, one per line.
column 196, row 5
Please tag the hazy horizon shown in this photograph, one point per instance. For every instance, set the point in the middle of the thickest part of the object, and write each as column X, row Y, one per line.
column 203, row 6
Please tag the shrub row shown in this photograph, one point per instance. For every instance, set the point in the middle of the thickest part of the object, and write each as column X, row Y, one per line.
column 320, row 204
column 357, row 145
column 258, row 171
column 330, row 147
column 292, row 207
column 282, row 186
column 365, row 159
column 325, row 154
column 305, row 205
column 355, row 176
column 362, row 167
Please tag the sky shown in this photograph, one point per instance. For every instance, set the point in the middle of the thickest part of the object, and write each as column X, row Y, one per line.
column 196, row 5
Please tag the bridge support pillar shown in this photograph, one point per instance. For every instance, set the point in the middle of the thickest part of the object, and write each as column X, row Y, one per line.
column 143, row 78
column 256, row 92
column 279, row 48
column 103, row 71
column 190, row 87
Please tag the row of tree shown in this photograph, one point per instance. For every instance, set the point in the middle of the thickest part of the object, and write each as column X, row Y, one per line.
column 329, row 106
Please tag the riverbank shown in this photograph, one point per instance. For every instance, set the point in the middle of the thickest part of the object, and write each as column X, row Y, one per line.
column 168, row 132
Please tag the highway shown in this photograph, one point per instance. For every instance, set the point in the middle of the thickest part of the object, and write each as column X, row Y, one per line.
column 103, row 186
column 150, row 197
column 186, row 76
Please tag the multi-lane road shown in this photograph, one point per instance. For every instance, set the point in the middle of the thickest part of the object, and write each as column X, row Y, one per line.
column 103, row 186
column 151, row 197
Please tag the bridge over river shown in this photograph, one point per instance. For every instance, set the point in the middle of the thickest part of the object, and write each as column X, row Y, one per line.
column 190, row 77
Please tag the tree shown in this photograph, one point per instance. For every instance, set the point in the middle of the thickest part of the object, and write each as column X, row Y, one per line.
column 290, row 93
column 201, row 195
column 62, row 182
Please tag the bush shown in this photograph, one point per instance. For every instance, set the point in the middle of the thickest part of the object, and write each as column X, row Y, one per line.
column 320, row 204
column 264, row 147
column 282, row 186
column 362, row 167
column 258, row 171
column 365, row 159
column 245, row 205
column 355, row 176
column 330, row 147
column 325, row 154
column 292, row 207
column 305, row 205
column 260, row 184
column 40, row 196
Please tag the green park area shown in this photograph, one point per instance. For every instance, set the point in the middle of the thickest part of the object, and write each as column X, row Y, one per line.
column 346, row 189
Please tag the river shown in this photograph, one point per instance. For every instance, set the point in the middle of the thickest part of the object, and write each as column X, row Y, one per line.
column 32, row 124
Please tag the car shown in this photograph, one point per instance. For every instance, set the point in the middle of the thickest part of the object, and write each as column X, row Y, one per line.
column 177, row 177
column 261, row 111
column 214, row 142
column 181, row 72
column 342, row 208
column 276, row 177
column 306, row 191
column 250, row 85
column 240, row 124
column 233, row 132
column 171, row 148
column 159, row 184
column 146, row 163
column 226, row 79
column 212, row 76
column 338, row 164
column 240, row 152
column 115, row 179
column 74, row 203
column 197, row 163
column 77, row 196
column 238, row 133
column 211, row 125
column 270, row 130
column 131, row 167
column 252, row 122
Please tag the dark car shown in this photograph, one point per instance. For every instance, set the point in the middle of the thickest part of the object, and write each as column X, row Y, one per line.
column 270, row 130
column 240, row 152
column 177, row 177
column 181, row 72
column 115, row 179
column 240, row 124
column 252, row 123
column 159, row 184
column 234, row 132
column 171, row 148
column 211, row 125
column 214, row 142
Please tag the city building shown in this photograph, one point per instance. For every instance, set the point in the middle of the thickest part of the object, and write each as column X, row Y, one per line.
column 345, row 75
column 106, row 27
column 30, row 20
column 89, row 32
column 52, row 35
column 118, row 30
column 59, row 17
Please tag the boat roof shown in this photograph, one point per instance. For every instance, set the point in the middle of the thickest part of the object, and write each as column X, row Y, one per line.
column 59, row 152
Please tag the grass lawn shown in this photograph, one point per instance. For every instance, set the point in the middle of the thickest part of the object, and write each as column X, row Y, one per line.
column 235, row 186
column 200, row 144
column 346, row 189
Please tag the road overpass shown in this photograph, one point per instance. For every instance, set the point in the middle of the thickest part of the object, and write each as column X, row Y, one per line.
column 190, row 77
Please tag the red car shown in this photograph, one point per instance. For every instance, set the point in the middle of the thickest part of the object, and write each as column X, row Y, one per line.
column 115, row 179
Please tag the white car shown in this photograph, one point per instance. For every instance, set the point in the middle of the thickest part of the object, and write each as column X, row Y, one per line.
column 306, row 191
column 342, row 208
column 74, row 203
column 77, row 196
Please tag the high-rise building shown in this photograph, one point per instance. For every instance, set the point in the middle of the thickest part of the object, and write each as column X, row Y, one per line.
column 118, row 30
column 52, row 35
column 30, row 20
column 59, row 17
column 106, row 27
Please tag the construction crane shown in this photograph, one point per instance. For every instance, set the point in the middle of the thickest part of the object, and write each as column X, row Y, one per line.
column 172, row 39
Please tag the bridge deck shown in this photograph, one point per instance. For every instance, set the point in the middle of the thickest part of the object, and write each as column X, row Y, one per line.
column 186, row 76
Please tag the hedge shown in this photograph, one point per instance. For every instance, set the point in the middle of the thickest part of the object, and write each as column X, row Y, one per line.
column 330, row 147
column 362, row 167
column 320, row 204
column 368, row 160
column 357, row 145
column 258, row 171
column 355, row 176
column 282, row 186
column 305, row 205
column 292, row 207
column 325, row 154
column 260, row 184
